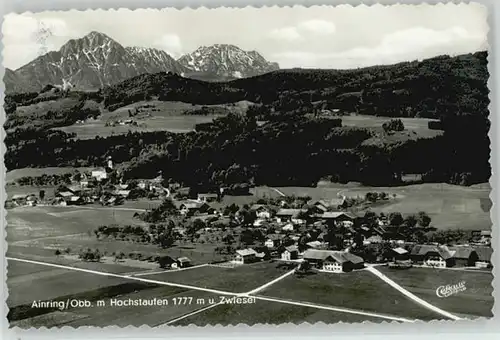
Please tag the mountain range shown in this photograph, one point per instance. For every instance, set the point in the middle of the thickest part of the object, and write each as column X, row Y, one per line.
column 97, row 60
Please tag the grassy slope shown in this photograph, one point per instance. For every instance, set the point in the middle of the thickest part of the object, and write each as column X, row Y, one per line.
column 265, row 312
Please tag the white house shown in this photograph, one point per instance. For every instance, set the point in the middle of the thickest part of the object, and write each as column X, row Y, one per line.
column 261, row 211
column 290, row 253
column 273, row 240
column 99, row 175
column 245, row 256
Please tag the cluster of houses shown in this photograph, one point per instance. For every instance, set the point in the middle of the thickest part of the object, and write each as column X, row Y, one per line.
column 335, row 261
column 29, row 199
column 330, row 261
column 292, row 223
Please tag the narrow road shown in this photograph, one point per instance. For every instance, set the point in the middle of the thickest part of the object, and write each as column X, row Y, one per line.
column 163, row 283
column 410, row 295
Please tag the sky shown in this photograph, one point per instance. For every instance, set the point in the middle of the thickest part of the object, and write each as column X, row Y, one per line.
column 316, row 37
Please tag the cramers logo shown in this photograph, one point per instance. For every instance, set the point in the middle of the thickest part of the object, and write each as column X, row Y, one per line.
column 448, row 290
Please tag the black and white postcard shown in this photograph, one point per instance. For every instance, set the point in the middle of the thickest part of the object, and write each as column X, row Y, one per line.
column 249, row 165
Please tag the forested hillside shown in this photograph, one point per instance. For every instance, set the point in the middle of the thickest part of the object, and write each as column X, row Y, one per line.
column 295, row 146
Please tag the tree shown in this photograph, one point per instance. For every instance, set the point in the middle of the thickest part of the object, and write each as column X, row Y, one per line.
column 393, row 125
column 424, row 220
column 410, row 221
column 228, row 239
column 166, row 239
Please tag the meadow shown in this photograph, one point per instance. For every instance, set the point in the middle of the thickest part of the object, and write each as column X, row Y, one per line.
column 266, row 312
column 16, row 174
column 358, row 290
column 152, row 115
column 239, row 279
column 417, row 125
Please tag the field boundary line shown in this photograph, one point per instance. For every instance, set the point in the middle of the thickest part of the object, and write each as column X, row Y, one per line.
column 190, row 314
column 333, row 308
column 167, row 271
column 270, row 283
column 164, row 283
column 410, row 295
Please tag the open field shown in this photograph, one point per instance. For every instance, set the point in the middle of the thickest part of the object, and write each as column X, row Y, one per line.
column 26, row 223
column 417, row 125
column 357, row 290
column 267, row 312
column 476, row 300
column 54, row 283
column 449, row 206
column 238, row 280
column 154, row 115
column 13, row 175
column 176, row 124
column 39, row 231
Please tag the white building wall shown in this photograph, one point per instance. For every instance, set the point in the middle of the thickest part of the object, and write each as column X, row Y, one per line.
column 332, row 267
column 439, row 263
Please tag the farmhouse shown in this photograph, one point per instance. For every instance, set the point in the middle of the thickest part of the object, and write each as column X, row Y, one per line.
column 207, row 198
column 400, row 254
column 190, row 208
column 484, row 256
column 289, row 215
column 182, row 262
column 373, row 239
column 245, row 256
column 122, row 193
column 24, row 199
column 74, row 200
column 166, row 261
column 290, row 253
column 143, row 185
column 333, row 261
column 485, row 237
column 84, row 181
column 261, row 211
column 338, row 218
column 315, row 244
column 325, row 205
column 464, row 256
column 64, row 194
column 432, row 256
